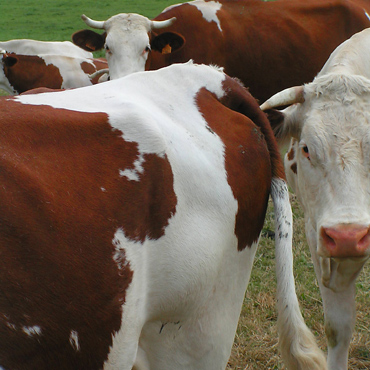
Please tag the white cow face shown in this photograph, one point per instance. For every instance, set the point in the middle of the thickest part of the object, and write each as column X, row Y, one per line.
column 328, row 166
column 127, row 44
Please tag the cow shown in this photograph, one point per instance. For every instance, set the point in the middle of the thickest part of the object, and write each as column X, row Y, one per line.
column 264, row 44
column 130, row 215
column 327, row 165
column 19, row 73
column 36, row 47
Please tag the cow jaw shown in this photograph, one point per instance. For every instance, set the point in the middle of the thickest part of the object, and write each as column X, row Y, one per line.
column 338, row 274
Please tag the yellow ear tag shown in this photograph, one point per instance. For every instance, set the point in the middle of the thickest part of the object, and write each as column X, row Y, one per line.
column 167, row 49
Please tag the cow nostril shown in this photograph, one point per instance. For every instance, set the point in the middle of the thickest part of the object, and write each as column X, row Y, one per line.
column 364, row 242
column 328, row 241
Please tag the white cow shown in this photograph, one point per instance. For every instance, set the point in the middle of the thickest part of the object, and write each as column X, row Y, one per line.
column 328, row 166
column 36, row 47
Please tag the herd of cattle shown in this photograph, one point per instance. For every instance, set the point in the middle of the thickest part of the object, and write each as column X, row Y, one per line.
column 130, row 211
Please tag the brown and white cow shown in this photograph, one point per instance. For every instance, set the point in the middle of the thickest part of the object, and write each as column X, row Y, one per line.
column 36, row 47
column 20, row 73
column 266, row 44
column 130, row 213
column 328, row 166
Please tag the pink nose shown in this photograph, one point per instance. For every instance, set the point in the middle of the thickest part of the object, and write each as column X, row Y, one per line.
column 346, row 240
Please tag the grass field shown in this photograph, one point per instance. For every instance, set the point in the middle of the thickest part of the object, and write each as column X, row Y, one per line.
column 255, row 344
column 56, row 20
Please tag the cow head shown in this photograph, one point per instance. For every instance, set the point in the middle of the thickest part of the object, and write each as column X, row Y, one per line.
column 128, row 40
column 328, row 166
column 7, row 60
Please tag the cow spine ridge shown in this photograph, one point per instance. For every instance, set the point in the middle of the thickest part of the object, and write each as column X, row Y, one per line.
column 297, row 343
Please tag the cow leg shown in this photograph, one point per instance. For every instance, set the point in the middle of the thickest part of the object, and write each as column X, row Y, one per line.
column 339, row 314
column 125, row 352
column 141, row 362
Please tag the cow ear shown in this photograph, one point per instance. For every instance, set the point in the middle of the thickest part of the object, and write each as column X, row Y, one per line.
column 276, row 119
column 284, row 124
column 9, row 61
column 89, row 40
column 167, row 42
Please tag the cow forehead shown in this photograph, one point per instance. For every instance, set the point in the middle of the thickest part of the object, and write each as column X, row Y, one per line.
column 336, row 107
column 336, row 135
column 127, row 22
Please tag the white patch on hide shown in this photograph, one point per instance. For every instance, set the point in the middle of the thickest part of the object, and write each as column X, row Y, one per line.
column 209, row 10
column 32, row 330
column 73, row 340
column 133, row 174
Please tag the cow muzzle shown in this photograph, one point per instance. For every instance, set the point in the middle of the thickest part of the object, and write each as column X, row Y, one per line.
column 343, row 250
column 345, row 241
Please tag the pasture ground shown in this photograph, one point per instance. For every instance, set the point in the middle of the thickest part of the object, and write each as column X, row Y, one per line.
column 255, row 345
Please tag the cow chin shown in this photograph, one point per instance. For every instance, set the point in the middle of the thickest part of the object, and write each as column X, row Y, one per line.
column 337, row 274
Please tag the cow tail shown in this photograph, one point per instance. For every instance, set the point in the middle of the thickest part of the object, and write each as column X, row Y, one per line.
column 297, row 344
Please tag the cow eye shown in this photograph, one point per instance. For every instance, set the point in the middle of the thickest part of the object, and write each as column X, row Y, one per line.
column 306, row 152
column 106, row 47
column 148, row 48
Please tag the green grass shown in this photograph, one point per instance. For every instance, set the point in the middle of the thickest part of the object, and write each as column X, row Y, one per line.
column 56, row 20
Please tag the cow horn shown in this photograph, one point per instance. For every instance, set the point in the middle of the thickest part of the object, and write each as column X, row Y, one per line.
column 288, row 96
column 92, row 23
column 156, row 25
column 98, row 73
